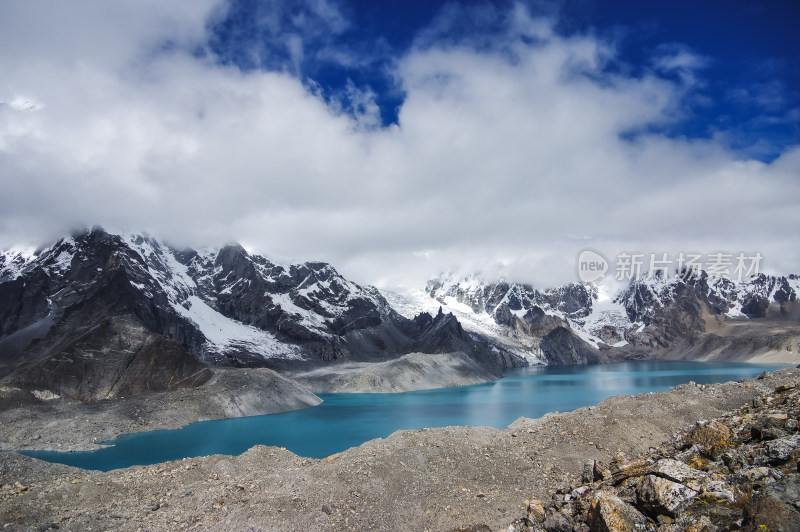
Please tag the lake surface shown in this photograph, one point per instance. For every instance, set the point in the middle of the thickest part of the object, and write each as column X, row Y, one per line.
column 346, row 420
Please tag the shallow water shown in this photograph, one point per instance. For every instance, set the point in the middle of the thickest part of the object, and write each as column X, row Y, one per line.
column 347, row 420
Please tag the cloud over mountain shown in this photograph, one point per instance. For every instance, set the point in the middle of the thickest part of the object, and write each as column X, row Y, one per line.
column 510, row 140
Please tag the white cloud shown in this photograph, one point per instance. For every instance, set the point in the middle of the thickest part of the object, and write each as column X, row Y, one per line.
column 505, row 149
column 676, row 57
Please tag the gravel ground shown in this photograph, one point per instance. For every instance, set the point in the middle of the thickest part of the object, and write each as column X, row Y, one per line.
column 455, row 478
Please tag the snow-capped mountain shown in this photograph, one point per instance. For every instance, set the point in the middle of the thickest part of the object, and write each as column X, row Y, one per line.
column 650, row 317
column 97, row 314
column 546, row 323
column 676, row 309
column 94, row 296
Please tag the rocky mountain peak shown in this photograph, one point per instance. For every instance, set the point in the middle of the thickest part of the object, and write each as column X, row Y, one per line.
column 217, row 306
column 230, row 256
column 653, row 314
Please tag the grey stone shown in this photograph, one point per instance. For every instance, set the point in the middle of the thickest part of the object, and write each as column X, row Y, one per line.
column 661, row 496
column 781, row 449
column 588, row 471
column 609, row 513
column 556, row 522
column 677, row 471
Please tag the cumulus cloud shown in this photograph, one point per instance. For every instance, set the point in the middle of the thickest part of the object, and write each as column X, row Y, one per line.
column 505, row 148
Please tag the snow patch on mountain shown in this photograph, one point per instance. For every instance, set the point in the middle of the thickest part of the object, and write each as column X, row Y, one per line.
column 223, row 334
column 495, row 303
column 56, row 259
column 608, row 313
column 162, row 265
column 409, row 302
column 62, row 256
column 13, row 262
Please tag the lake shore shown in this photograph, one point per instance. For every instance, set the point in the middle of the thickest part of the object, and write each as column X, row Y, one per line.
column 436, row 479
column 64, row 425
column 68, row 425
column 60, row 424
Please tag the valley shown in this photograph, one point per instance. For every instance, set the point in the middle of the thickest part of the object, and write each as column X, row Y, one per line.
column 455, row 478
column 130, row 334
column 104, row 334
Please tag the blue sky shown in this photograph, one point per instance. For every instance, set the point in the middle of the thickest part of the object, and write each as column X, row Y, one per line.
column 401, row 139
column 746, row 53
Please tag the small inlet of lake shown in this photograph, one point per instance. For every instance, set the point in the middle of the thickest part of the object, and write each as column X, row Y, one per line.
column 346, row 420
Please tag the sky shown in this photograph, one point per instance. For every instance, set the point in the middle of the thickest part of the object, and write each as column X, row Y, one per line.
column 398, row 140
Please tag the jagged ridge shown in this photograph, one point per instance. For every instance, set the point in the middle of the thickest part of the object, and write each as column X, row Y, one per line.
column 651, row 316
column 222, row 307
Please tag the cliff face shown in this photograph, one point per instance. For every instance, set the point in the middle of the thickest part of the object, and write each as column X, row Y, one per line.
column 116, row 358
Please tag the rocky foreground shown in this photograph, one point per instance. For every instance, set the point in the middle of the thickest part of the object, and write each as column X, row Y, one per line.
column 734, row 472
column 738, row 472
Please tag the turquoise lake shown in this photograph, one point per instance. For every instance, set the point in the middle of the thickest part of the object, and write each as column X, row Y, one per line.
column 346, row 420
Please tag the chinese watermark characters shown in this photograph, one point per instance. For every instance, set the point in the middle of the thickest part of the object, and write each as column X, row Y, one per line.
column 631, row 266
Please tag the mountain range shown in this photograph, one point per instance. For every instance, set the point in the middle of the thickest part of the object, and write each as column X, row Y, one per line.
column 658, row 316
column 98, row 315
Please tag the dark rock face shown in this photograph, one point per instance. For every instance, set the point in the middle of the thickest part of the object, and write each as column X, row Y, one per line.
column 647, row 301
column 755, row 306
column 444, row 334
column 99, row 315
column 547, row 317
column 119, row 357
column 561, row 346
column 528, row 312
column 96, row 335
column 675, row 310
column 762, row 296
column 672, row 312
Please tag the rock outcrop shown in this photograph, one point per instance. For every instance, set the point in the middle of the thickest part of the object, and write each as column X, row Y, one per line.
column 738, row 472
column 562, row 346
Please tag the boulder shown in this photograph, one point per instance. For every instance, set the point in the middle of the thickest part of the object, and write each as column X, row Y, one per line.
column 767, row 512
column 719, row 491
column 713, row 438
column 588, row 472
column 668, row 468
column 677, row 471
column 536, row 512
column 659, row 496
column 701, row 524
column 609, row 513
column 557, row 523
column 781, row 449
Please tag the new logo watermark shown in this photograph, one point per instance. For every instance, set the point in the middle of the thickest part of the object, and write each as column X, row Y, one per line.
column 593, row 266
